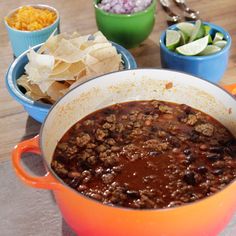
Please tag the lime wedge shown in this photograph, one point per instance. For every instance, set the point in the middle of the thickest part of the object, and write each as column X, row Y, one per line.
column 172, row 39
column 183, row 38
column 198, row 31
column 186, row 28
column 210, row 39
column 218, row 36
column 193, row 48
column 207, row 29
column 210, row 49
column 220, row 43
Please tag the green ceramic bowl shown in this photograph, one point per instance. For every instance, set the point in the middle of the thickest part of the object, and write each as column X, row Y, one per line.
column 129, row 30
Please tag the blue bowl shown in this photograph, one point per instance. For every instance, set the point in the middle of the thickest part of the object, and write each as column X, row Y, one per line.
column 22, row 40
column 39, row 110
column 210, row 67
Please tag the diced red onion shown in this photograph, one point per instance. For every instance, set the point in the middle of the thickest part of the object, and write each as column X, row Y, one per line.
column 124, row 6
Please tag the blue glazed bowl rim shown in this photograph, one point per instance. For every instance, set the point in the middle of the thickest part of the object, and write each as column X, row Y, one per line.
column 34, row 31
column 146, row 10
column 199, row 58
column 128, row 59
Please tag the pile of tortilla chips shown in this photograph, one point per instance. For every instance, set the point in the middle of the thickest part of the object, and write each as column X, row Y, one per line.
column 65, row 61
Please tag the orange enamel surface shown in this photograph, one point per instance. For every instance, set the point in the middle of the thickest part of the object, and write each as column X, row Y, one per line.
column 230, row 88
column 207, row 217
column 90, row 218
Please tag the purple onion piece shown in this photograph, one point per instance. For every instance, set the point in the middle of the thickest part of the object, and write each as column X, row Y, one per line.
column 124, row 6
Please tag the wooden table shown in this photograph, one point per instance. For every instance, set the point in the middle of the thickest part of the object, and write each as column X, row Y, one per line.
column 26, row 211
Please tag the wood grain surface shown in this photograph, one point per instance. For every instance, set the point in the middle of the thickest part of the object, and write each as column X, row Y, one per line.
column 15, row 125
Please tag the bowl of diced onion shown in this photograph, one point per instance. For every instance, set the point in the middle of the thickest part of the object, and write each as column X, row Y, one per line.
column 39, row 77
column 127, row 22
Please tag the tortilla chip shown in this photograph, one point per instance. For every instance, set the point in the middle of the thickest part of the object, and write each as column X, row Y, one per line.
column 60, row 68
column 103, row 53
column 64, row 76
column 54, row 91
column 34, row 96
column 76, row 68
column 107, row 65
column 67, row 61
column 34, row 88
column 67, row 52
column 90, row 60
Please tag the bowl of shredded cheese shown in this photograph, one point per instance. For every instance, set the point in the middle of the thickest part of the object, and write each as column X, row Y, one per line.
column 31, row 25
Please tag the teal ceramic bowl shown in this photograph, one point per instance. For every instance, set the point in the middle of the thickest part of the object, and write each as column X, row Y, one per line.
column 210, row 68
column 39, row 110
column 23, row 40
column 128, row 30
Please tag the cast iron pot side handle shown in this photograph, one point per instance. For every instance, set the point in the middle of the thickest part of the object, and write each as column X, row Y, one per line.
column 45, row 182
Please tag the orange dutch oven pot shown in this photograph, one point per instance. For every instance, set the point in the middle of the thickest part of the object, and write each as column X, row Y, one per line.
column 88, row 217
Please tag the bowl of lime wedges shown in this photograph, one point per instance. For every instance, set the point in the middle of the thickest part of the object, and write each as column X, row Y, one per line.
column 197, row 48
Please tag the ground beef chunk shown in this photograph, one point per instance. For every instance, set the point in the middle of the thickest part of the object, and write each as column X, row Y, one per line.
column 62, row 146
column 107, row 178
column 101, row 134
column 109, row 126
column 82, row 140
column 190, row 119
column 205, row 129
column 109, row 158
column 156, row 145
column 101, row 148
column 60, row 168
column 88, row 122
column 111, row 118
column 131, row 152
column 165, row 109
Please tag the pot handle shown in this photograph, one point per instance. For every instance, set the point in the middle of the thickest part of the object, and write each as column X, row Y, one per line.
column 230, row 88
column 45, row 182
